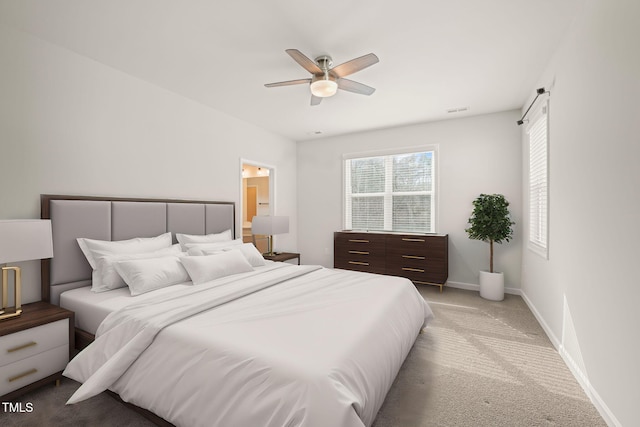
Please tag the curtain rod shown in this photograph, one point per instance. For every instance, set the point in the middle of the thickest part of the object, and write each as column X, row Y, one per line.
column 539, row 92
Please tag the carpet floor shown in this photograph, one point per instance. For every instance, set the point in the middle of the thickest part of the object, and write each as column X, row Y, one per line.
column 484, row 363
column 479, row 363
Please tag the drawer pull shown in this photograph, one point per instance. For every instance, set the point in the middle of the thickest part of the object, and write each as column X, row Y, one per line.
column 407, row 239
column 22, row 375
column 413, row 257
column 358, row 240
column 420, row 282
column 359, row 252
column 358, row 263
column 418, row 270
column 22, row 347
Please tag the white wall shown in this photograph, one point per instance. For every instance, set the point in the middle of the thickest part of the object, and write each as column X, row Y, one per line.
column 586, row 295
column 480, row 154
column 70, row 125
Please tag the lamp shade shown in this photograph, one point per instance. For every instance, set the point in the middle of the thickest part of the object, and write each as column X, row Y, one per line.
column 270, row 225
column 25, row 240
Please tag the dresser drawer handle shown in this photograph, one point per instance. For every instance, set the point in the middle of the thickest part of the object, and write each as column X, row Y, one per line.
column 406, row 239
column 359, row 252
column 22, row 375
column 22, row 347
column 358, row 263
column 418, row 270
column 420, row 282
column 413, row 257
column 358, row 240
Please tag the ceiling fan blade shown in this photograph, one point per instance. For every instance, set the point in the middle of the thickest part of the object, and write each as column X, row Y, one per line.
column 315, row 100
column 354, row 65
column 305, row 62
column 289, row 83
column 355, row 87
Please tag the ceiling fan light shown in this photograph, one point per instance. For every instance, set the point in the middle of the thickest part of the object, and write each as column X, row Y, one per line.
column 324, row 88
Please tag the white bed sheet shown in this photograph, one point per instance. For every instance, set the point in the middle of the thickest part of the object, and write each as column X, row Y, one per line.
column 317, row 349
column 91, row 308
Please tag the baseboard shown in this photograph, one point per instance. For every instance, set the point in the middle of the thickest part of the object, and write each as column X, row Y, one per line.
column 476, row 287
column 580, row 376
column 547, row 330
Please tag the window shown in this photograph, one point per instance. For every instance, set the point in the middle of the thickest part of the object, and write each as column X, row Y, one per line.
column 393, row 192
column 538, row 182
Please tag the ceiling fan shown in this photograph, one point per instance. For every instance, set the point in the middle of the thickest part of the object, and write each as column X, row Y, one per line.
column 325, row 81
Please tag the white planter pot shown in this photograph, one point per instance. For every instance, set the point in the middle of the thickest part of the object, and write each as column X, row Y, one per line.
column 492, row 285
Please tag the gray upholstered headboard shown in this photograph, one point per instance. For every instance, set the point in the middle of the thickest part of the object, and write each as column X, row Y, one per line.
column 117, row 219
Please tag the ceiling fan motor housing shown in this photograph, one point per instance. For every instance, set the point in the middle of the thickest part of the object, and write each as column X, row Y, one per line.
column 324, row 62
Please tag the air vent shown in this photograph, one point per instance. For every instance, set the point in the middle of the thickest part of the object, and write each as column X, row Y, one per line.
column 457, row 110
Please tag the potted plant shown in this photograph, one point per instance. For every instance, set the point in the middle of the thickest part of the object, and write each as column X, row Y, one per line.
column 491, row 223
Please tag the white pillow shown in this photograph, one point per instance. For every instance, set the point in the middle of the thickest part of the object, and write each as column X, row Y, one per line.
column 131, row 246
column 199, row 248
column 250, row 252
column 145, row 275
column 184, row 239
column 105, row 277
column 209, row 267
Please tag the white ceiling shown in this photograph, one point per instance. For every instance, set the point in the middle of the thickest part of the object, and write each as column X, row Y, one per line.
column 434, row 54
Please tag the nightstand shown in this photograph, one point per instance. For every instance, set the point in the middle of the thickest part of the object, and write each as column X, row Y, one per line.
column 34, row 348
column 282, row 256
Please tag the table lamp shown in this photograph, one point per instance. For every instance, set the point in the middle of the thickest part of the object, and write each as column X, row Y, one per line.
column 21, row 240
column 268, row 226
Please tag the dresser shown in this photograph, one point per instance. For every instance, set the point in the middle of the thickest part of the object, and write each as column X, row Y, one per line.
column 422, row 258
column 34, row 348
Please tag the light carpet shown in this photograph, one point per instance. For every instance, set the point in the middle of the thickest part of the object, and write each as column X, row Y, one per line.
column 484, row 363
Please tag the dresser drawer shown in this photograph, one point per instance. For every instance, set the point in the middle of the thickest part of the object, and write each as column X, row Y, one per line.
column 417, row 245
column 419, row 275
column 28, row 370
column 26, row 343
column 361, row 263
column 341, row 251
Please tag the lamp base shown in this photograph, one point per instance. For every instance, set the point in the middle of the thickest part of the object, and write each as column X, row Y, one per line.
column 269, row 246
column 13, row 312
column 10, row 312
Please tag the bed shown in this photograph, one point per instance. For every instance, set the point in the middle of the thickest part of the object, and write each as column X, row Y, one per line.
column 276, row 345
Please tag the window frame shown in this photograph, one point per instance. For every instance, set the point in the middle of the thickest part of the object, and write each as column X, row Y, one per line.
column 388, row 194
column 538, row 246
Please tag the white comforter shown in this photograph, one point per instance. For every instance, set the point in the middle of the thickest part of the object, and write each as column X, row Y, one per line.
column 285, row 346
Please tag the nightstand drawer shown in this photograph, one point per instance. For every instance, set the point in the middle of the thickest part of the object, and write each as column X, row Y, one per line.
column 26, row 371
column 24, row 344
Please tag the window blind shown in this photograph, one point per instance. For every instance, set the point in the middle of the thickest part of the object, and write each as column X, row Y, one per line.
column 390, row 193
column 538, row 182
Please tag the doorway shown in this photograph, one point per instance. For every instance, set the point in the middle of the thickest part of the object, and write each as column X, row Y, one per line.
column 256, row 199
